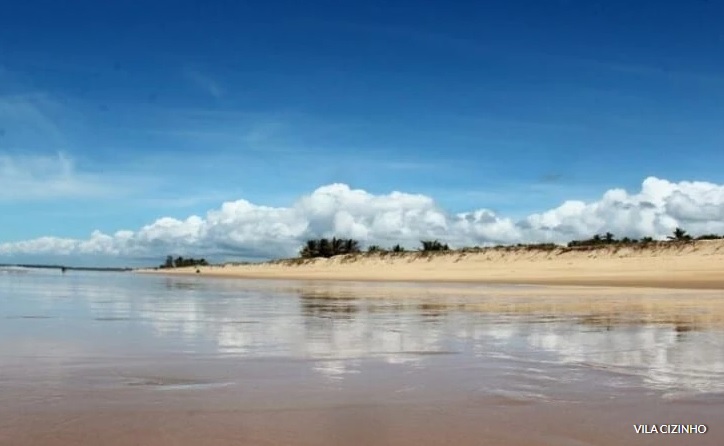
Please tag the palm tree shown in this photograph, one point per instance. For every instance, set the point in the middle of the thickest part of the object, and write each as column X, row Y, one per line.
column 311, row 249
column 325, row 248
column 679, row 235
column 398, row 248
column 337, row 246
column 351, row 246
column 609, row 238
column 434, row 245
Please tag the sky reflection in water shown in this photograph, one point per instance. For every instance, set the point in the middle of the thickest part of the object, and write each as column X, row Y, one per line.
column 93, row 315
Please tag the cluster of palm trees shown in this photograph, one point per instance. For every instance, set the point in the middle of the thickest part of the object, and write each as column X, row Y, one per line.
column 325, row 247
column 434, row 245
column 179, row 262
column 427, row 246
column 607, row 239
column 679, row 235
column 378, row 248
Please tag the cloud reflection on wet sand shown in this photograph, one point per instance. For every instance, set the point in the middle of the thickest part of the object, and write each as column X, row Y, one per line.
column 667, row 339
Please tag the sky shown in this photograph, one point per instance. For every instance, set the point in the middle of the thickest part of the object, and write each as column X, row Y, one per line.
column 236, row 130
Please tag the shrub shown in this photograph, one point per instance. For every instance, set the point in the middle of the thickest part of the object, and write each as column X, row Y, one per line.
column 434, row 245
column 324, row 247
column 709, row 237
column 679, row 235
column 180, row 262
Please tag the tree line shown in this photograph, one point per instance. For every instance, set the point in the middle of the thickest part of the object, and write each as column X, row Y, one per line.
column 679, row 235
column 180, row 262
column 324, row 247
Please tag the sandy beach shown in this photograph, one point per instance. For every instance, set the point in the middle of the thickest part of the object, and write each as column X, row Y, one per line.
column 690, row 265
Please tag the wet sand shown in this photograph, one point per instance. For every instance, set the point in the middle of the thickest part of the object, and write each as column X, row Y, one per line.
column 127, row 360
column 693, row 265
column 467, row 421
column 269, row 403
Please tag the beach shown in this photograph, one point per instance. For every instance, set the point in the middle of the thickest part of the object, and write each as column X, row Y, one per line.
column 683, row 265
column 125, row 359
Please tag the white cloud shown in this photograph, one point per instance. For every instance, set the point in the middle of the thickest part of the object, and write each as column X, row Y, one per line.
column 243, row 229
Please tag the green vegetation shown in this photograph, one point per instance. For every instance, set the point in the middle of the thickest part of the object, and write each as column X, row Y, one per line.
column 324, row 247
column 329, row 248
column 434, row 245
column 709, row 237
column 179, row 262
column 377, row 248
column 680, row 235
column 596, row 240
column 538, row 246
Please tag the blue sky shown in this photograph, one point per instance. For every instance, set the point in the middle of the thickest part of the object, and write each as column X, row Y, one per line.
column 115, row 114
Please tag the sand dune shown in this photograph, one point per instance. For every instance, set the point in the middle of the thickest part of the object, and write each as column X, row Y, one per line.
column 695, row 265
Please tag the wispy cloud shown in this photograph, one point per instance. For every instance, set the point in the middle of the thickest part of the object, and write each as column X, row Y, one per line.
column 430, row 39
column 204, row 82
column 407, row 165
column 42, row 177
column 188, row 200
column 29, row 118
column 655, row 71
column 225, row 130
column 246, row 131
column 477, row 49
column 551, row 178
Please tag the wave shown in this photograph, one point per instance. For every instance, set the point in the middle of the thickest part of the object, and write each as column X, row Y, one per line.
column 13, row 270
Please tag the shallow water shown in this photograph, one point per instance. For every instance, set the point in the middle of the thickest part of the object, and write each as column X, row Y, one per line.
column 130, row 359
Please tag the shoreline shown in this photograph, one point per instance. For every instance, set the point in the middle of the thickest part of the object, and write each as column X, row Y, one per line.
column 694, row 265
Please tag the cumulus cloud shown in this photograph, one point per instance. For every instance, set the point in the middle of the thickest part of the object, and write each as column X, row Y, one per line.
column 246, row 230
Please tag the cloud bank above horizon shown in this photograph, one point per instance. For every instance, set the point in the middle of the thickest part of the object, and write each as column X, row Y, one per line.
column 243, row 230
